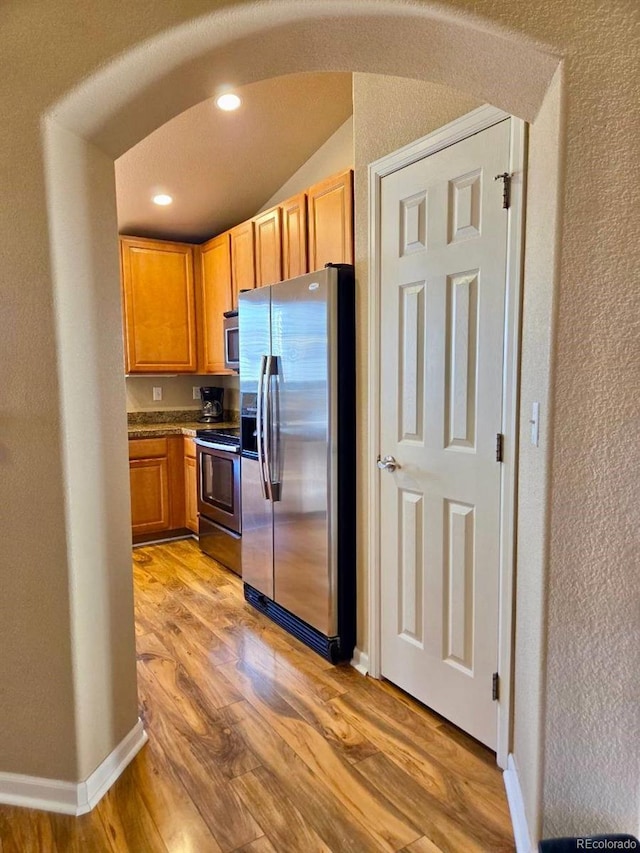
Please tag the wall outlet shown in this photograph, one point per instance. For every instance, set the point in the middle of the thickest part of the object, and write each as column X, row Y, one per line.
column 196, row 392
column 157, row 393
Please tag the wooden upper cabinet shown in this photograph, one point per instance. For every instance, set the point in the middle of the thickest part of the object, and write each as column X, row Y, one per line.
column 214, row 299
column 268, row 247
column 294, row 236
column 243, row 264
column 158, row 306
column 331, row 221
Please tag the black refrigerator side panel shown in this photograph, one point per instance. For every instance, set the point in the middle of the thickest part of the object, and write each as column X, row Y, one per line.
column 347, row 613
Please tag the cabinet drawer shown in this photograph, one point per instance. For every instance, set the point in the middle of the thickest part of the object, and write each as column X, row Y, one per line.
column 148, row 448
column 189, row 447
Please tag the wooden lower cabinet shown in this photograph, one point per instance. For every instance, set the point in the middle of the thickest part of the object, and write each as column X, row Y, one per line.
column 149, row 480
column 190, row 485
column 157, row 476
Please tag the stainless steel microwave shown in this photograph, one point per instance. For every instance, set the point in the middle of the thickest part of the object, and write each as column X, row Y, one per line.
column 231, row 341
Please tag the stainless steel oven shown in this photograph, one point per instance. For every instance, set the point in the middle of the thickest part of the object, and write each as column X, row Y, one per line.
column 219, row 513
column 231, row 341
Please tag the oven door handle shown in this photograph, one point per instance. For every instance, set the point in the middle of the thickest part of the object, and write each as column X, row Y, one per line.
column 224, row 448
column 260, row 433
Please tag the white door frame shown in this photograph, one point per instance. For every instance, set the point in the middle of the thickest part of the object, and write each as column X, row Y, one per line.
column 474, row 122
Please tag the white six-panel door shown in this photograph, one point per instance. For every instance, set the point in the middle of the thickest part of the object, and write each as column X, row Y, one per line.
column 443, row 279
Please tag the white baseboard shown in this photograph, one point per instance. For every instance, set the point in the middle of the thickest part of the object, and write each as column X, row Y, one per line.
column 522, row 835
column 360, row 661
column 72, row 798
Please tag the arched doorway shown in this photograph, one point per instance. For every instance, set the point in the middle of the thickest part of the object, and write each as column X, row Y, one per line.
column 109, row 113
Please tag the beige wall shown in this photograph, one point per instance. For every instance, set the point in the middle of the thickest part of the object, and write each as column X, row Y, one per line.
column 589, row 751
column 542, row 224
column 334, row 156
column 95, row 476
column 177, row 392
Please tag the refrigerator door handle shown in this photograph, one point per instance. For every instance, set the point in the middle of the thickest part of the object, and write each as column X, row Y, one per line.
column 273, row 419
column 260, row 433
column 272, row 484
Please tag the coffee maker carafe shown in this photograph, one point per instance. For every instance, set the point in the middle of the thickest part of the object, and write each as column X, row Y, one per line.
column 212, row 404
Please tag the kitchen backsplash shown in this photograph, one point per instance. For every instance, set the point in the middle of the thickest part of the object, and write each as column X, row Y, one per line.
column 177, row 392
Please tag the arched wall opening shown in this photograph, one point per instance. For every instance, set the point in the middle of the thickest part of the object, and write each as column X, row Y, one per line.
column 120, row 105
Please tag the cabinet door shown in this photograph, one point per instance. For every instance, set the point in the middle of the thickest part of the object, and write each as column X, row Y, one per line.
column 243, row 265
column 294, row 236
column 215, row 299
column 150, row 506
column 331, row 221
column 190, row 485
column 158, row 306
column 268, row 248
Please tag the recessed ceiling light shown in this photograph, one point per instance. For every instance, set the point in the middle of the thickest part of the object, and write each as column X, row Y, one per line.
column 228, row 102
column 162, row 199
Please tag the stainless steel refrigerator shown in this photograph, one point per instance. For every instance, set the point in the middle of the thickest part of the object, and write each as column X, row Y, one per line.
column 297, row 383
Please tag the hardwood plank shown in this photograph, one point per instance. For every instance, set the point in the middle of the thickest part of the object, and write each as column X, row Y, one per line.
column 228, row 820
column 174, row 813
column 300, row 693
column 257, row 652
column 274, row 811
column 192, row 697
column 195, row 661
column 191, row 640
column 232, row 714
column 439, row 814
column 428, row 744
column 126, row 820
column 469, row 744
column 447, row 781
column 381, row 819
column 183, row 566
column 178, row 565
column 386, row 695
column 199, row 721
column 260, row 845
column 79, row 834
column 25, row 831
column 318, row 806
column 423, row 845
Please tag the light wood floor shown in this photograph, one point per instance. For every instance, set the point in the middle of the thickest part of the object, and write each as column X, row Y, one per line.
column 258, row 745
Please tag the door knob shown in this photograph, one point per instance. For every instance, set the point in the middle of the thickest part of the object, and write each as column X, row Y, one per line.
column 388, row 464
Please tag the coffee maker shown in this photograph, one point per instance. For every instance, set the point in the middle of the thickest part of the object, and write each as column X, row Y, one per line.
column 212, row 399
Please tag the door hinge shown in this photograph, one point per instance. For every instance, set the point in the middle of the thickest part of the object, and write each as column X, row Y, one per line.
column 495, row 686
column 499, row 446
column 505, row 177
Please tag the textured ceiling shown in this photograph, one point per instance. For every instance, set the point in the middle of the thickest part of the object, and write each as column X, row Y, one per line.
column 222, row 167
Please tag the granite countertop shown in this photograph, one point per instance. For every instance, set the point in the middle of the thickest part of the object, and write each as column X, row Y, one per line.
column 152, row 424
